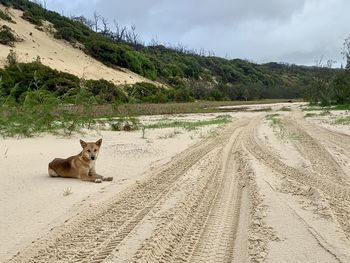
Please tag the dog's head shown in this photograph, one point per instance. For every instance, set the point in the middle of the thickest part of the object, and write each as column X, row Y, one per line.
column 91, row 149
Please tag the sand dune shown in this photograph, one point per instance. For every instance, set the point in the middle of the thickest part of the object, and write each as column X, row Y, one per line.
column 59, row 54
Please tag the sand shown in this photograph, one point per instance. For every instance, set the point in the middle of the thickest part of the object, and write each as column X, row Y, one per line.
column 59, row 54
column 244, row 192
column 248, row 191
column 31, row 203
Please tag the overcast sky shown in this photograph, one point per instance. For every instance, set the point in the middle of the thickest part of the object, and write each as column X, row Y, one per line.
column 293, row 31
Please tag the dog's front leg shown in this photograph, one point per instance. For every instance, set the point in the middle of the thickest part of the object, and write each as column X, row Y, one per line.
column 92, row 172
column 91, row 178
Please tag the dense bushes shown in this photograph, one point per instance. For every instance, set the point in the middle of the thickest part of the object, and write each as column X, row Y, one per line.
column 6, row 36
column 341, row 88
column 138, row 63
column 106, row 92
column 22, row 77
column 120, row 55
column 110, row 53
column 5, row 16
column 19, row 80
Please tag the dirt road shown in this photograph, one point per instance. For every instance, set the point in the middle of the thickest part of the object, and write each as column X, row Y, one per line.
column 236, row 196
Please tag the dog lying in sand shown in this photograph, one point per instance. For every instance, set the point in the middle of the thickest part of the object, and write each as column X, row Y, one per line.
column 81, row 165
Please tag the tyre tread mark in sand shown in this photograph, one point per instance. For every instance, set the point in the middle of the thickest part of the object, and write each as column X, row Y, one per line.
column 93, row 235
column 338, row 194
column 206, row 222
column 175, row 240
column 321, row 160
column 333, row 137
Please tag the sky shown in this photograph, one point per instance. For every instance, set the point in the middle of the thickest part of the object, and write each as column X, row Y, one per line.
column 290, row 31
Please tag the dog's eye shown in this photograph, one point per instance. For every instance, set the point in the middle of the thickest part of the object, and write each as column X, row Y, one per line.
column 89, row 151
column 95, row 150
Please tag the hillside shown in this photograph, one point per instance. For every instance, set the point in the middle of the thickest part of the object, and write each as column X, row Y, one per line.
column 58, row 54
column 191, row 75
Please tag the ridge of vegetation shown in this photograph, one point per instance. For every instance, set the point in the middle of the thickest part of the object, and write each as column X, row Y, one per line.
column 200, row 73
column 35, row 98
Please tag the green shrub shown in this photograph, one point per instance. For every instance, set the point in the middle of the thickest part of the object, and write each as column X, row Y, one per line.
column 109, row 53
column 12, row 58
column 6, row 16
column 6, row 36
column 106, row 91
column 69, row 33
column 341, row 88
column 21, row 77
column 141, row 90
column 216, row 94
column 140, row 64
column 30, row 17
column 183, row 95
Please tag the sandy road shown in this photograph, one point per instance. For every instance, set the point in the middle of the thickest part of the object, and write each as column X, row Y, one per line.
column 211, row 204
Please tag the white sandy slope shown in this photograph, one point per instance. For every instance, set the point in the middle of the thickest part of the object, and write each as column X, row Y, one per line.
column 59, row 54
column 303, row 223
column 31, row 202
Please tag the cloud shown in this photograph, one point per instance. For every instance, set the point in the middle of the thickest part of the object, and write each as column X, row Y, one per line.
column 294, row 31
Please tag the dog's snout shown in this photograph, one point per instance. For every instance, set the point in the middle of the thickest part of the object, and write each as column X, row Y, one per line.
column 93, row 157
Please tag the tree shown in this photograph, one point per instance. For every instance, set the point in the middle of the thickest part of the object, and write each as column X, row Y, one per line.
column 246, row 94
column 320, row 89
column 105, row 29
column 346, row 52
column 89, row 23
column 97, row 18
column 120, row 32
column 132, row 37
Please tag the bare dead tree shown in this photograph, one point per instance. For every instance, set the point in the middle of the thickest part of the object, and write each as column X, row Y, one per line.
column 154, row 42
column 96, row 21
column 346, row 52
column 89, row 23
column 330, row 62
column 120, row 33
column 319, row 62
column 211, row 53
column 133, row 36
column 105, row 23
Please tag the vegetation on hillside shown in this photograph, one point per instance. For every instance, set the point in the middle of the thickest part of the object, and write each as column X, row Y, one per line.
column 6, row 36
column 329, row 88
column 4, row 15
column 20, row 80
column 197, row 74
column 35, row 98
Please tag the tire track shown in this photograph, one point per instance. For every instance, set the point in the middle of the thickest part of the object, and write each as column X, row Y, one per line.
column 93, row 235
column 334, row 137
column 175, row 240
column 321, row 160
column 338, row 194
column 216, row 243
column 207, row 221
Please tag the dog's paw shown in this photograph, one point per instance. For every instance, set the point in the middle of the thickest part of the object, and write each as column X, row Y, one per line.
column 98, row 181
column 109, row 178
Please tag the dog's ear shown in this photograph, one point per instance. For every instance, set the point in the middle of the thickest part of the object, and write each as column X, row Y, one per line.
column 83, row 144
column 99, row 143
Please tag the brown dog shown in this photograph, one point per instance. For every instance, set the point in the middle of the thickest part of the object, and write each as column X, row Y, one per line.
column 81, row 165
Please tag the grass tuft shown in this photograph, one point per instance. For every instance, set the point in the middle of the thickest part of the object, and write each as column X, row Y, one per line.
column 309, row 115
column 188, row 125
column 284, row 108
column 342, row 120
column 67, row 191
